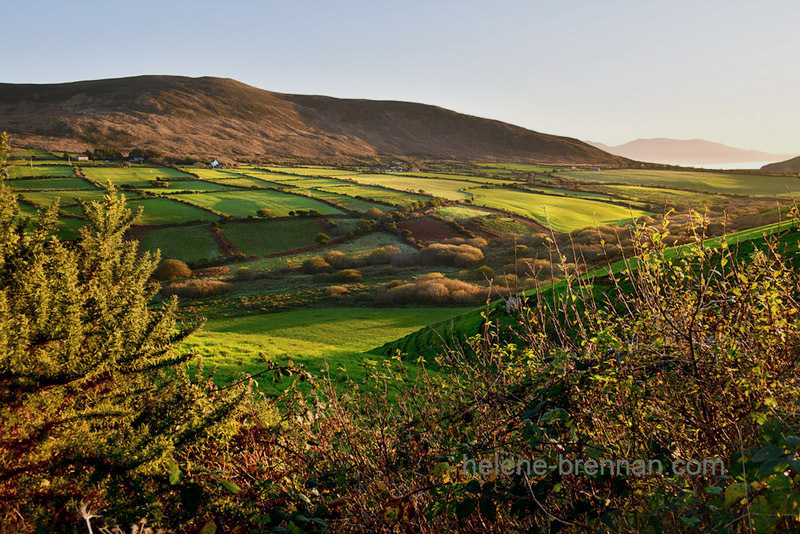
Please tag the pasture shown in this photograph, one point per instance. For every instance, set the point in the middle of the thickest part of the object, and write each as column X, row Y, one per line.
column 24, row 171
column 312, row 337
column 185, row 243
column 267, row 237
column 247, row 202
column 167, row 211
column 711, row 182
column 55, row 184
column 388, row 196
column 451, row 189
column 561, row 213
column 44, row 198
column 138, row 176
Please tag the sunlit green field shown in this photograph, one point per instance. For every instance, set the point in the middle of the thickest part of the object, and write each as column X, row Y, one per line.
column 562, row 213
column 311, row 337
column 245, row 203
column 450, row 189
column 18, row 171
column 132, row 176
column 50, row 183
column 713, row 182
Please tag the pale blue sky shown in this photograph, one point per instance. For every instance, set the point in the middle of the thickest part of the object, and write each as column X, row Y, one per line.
column 611, row 71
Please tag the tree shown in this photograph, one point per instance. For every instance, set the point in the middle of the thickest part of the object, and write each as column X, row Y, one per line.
column 95, row 402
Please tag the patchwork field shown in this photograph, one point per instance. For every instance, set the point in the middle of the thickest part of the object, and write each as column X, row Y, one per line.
column 338, row 336
column 712, row 182
column 562, row 213
column 167, row 211
column 267, row 237
column 246, row 203
column 133, row 176
column 55, row 184
column 21, row 171
column 185, row 243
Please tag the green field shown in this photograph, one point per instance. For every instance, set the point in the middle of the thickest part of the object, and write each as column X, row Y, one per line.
column 177, row 186
column 356, row 248
column 351, row 203
column 132, row 176
column 21, row 171
column 456, row 176
column 451, row 189
column 339, row 336
column 55, row 184
column 308, row 170
column 168, row 211
column 562, row 213
column 266, row 237
column 45, row 198
column 395, row 198
column 712, row 182
column 185, row 243
column 245, row 203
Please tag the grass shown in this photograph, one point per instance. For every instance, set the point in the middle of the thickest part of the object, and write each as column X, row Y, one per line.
column 358, row 247
column 310, row 337
column 351, row 203
column 266, row 237
column 246, row 203
column 309, row 170
column 21, row 171
column 177, row 186
column 658, row 195
column 711, row 182
column 456, row 176
column 388, row 196
column 50, row 183
column 450, row 189
column 168, row 211
column 46, row 197
column 561, row 213
column 185, row 243
column 133, row 176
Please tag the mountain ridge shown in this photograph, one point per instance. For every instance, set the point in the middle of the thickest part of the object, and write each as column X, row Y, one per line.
column 686, row 151
column 221, row 117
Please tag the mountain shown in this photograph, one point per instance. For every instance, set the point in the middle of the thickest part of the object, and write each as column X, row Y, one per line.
column 224, row 118
column 792, row 165
column 695, row 151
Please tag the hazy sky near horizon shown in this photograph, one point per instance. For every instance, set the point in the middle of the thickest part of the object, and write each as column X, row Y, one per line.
column 610, row 71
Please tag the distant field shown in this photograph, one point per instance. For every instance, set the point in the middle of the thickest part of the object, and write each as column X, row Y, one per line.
column 450, row 189
column 168, row 211
column 266, row 237
column 461, row 213
column 712, row 182
column 50, row 183
column 568, row 192
column 20, row 171
column 132, row 176
column 245, row 203
column 658, row 195
column 309, row 171
column 185, row 243
column 339, row 336
column 455, row 176
column 189, row 185
column 35, row 153
column 358, row 247
column 519, row 167
column 395, row 198
column 562, row 213
column 348, row 202
column 45, row 198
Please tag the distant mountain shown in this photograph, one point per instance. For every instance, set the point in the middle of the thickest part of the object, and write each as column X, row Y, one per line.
column 695, row 151
column 224, row 118
column 792, row 165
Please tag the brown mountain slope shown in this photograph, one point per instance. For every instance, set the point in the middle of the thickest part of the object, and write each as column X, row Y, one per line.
column 224, row 118
column 792, row 165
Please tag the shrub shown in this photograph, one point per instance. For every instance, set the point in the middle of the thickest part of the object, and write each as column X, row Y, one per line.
column 348, row 275
column 484, row 272
column 317, row 264
column 450, row 255
column 337, row 291
column 381, row 255
column 431, row 288
column 198, row 289
column 264, row 212
column 339, row 260
column 323, row 238
column 171, row 270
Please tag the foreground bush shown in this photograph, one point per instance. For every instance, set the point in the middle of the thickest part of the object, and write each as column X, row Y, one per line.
column 432, row 288
column 450, row 255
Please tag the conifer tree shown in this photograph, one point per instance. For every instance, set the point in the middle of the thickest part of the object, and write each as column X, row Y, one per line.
column 96, row 405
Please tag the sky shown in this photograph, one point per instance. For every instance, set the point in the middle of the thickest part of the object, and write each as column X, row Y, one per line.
column 609, row 71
